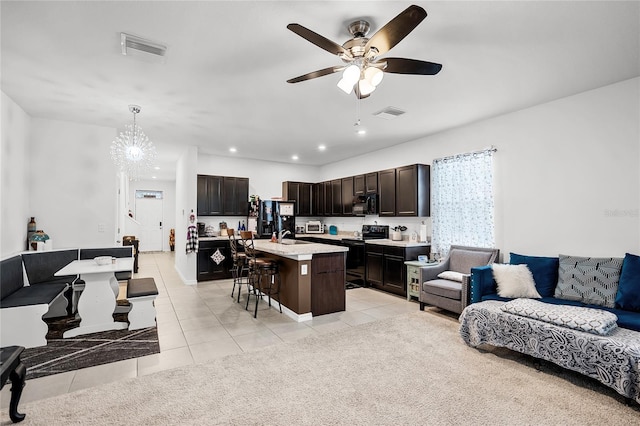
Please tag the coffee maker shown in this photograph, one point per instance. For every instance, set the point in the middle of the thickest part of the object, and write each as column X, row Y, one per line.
column 201, row 227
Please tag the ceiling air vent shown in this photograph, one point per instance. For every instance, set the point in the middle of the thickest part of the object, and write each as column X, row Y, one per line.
column 128, row 41
column 389, row 113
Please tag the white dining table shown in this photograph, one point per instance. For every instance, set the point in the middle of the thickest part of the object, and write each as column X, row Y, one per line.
column 97, row 302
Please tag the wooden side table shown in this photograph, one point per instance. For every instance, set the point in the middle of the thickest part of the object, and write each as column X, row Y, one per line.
column 12, row 368
column 413, row 278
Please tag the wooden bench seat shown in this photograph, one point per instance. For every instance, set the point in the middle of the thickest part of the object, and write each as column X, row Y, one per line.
column 141, row 293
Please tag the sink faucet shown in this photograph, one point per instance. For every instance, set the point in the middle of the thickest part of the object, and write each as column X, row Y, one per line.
column 282, row 234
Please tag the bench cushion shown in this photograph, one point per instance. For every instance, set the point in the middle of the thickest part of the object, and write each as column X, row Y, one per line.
column 138, row 287
column 33, row 295
column 10, row 276
column 41, row 266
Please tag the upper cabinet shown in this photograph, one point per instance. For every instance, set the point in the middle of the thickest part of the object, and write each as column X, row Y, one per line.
column 301, row 193
column 223, row 195
column 403, row 191
column 413, row 191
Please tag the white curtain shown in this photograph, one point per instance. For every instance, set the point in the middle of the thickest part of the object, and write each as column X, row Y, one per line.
column 462, row 201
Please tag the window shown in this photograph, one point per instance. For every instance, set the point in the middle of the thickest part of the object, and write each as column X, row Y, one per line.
column 462, row 201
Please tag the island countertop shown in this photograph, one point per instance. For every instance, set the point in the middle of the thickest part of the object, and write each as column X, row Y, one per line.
column 297, row 250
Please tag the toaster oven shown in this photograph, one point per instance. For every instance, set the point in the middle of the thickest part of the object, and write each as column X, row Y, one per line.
column 314, row 227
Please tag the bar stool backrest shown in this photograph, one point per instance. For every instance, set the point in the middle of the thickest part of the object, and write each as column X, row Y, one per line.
column 249, row 248
column 233, row 243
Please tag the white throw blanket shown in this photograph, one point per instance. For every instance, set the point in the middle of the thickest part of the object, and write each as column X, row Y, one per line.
column 591, row 320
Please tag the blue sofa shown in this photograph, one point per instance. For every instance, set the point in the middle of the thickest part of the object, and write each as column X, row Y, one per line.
column 609, row 285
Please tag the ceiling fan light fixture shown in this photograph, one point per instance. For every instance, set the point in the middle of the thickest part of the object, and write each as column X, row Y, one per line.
column 365, row 87
column 345, row 86
column 373, row 75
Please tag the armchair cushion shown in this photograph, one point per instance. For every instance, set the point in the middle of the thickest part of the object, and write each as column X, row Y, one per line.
column 444, row 288
column 451, row 275
column 461, row 260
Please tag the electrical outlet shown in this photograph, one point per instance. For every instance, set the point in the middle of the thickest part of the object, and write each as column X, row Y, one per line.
column 101, row 227
column 303, row 269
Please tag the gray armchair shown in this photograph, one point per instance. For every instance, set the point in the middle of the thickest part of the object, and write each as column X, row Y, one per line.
column 451, row 294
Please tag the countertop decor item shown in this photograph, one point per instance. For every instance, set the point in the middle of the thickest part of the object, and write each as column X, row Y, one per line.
column 333, row 230
column 132, row 151
column 38, row 236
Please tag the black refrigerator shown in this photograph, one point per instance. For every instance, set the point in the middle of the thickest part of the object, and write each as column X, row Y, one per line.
column 276, row 216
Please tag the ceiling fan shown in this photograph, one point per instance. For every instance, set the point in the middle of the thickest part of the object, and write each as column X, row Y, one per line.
column 364, row 68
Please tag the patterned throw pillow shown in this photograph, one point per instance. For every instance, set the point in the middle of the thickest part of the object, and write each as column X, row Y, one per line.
column 590, row 280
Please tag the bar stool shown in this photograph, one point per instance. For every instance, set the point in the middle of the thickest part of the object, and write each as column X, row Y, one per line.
column 240, row 269
column 260, row 270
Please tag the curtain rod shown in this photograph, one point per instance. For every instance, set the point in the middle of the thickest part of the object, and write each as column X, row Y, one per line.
column 482, row 151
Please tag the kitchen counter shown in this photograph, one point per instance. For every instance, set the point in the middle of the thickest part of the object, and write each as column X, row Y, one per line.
column 384, row 242
column 297, row 250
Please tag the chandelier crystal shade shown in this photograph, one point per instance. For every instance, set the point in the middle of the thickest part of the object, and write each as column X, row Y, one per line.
column 132, row 151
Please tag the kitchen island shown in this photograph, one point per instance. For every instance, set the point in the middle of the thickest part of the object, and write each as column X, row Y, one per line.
column 312, row 276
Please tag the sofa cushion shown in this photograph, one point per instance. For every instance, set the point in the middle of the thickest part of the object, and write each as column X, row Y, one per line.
column 515, row 281
column 544, row 270
column 590, row 280
column 461, row 260
column 628, row 296
column 444, row 288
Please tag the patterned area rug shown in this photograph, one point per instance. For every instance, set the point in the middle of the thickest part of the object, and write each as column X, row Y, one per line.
column 61, row 355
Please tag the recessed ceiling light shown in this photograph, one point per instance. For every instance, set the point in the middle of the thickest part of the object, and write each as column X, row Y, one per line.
column 294, row 157
column 153, row 177
column 321, row 147
column 157, row 167
column 361, row 132
column 233, row 150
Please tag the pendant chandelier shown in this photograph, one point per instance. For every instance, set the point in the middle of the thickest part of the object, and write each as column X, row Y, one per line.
column 132, row 151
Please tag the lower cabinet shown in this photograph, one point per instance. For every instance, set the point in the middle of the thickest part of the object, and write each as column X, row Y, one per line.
column 208, row 269
column 385, row 268
column 327, row 283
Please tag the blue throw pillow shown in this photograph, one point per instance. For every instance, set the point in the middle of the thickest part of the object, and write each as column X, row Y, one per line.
column 628, row 296
column 544, row 270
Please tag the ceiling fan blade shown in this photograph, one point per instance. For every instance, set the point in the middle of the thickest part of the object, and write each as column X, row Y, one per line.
column 314, row 74
column 396, row 29
column 318, row 40
column 411, row 66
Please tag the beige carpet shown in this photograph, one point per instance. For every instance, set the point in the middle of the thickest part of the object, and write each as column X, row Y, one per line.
column 412, row 369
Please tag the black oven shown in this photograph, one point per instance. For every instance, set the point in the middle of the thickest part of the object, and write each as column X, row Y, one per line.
column 356, row 254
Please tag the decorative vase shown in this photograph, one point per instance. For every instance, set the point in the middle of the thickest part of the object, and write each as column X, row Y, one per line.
column 31, row 226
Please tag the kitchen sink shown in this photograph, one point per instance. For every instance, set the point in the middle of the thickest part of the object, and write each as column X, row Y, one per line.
column 292, row 242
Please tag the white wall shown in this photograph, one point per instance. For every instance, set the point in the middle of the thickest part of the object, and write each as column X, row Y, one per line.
column 186, row 202
column 567, row 172
column 73, row 183
column 168, row 189
column 14, row 178
column 265, row 177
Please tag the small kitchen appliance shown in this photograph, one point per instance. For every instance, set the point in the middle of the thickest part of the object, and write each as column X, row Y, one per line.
column 314, row 227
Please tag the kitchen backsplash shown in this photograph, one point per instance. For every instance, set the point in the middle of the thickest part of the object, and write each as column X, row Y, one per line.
column 344, row 224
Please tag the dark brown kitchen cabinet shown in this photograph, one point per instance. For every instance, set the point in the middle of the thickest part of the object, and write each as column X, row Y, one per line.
column 317, row 208
column 210, row 190
column 387, row 192
column 300, row 192
column 207, row 268
column 222, row 195
column 336, row 197
column 347, row 196
column 236, row 196
column 358, row 185
column 385, row 268
column 328, row 198
column 413, row 195
column 327, row 283
column 371, row 183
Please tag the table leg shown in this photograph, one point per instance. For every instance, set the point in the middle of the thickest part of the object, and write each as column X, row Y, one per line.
column 17, row 384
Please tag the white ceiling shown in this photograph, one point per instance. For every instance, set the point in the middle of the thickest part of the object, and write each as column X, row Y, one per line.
column 223, row 83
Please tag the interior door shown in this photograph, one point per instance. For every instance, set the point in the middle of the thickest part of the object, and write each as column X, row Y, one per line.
column 149, row 215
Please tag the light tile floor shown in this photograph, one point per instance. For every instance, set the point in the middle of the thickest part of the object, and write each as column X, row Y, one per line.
column 197, row 323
